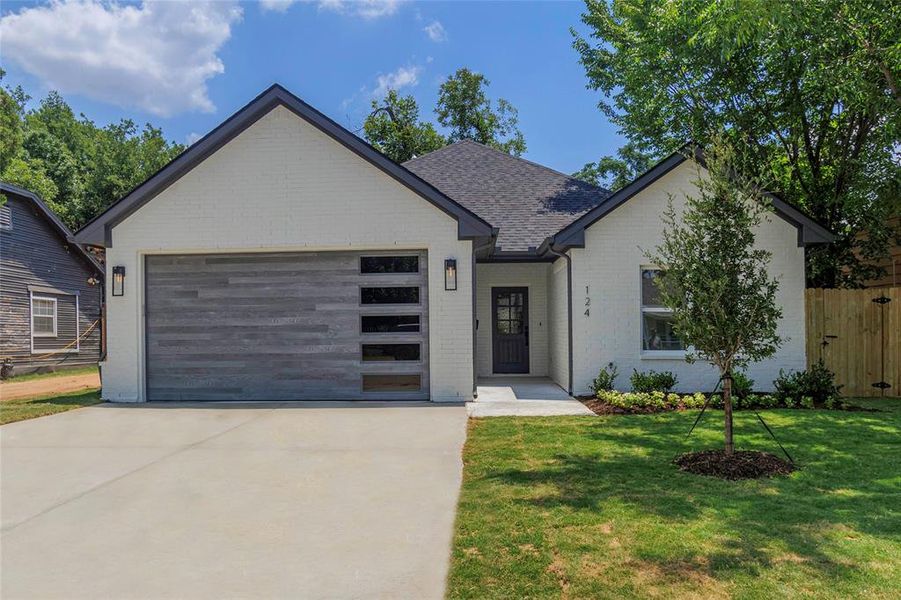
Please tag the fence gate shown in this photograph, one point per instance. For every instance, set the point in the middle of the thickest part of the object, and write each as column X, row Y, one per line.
column 857, row 333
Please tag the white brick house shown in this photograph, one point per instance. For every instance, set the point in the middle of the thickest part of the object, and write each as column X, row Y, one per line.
column 283, row 258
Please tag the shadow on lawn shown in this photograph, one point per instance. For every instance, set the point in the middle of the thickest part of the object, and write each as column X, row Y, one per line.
column 847, row 484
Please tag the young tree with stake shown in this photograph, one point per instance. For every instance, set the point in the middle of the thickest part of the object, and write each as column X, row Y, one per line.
column 713, row 278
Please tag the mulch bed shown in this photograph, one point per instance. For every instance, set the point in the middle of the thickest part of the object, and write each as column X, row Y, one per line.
column 742, row 464
column 602, row 408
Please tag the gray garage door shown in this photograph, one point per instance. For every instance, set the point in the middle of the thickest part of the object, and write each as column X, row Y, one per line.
column 287, row 326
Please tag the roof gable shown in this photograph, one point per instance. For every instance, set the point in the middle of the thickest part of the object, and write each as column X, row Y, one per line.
column 53, row 220
column 573, row 235
column 97, row 231
column 527, row 202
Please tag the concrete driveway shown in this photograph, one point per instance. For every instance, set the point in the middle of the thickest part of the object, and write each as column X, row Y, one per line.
column 306, row 500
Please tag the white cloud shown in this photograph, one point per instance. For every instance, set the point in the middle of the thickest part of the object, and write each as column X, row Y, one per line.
column 367, row 9
column 397, row 80
column 436, row 31
column 192, row 138
column 276, row 5
column 156, row 56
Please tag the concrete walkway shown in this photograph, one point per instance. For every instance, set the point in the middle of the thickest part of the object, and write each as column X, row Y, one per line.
column 304, row 500
column 523, row 397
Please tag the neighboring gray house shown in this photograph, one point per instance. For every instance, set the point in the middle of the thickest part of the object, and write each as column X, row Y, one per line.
column 50, row 289
column 281, row 257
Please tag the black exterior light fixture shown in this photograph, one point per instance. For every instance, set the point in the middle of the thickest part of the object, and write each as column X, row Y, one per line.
column 118, row 280
column 450, row 274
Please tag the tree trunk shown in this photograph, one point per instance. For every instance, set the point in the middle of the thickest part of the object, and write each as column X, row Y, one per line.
column 727, row 410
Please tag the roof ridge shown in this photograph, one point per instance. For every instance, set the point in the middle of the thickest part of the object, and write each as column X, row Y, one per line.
column 519, row 158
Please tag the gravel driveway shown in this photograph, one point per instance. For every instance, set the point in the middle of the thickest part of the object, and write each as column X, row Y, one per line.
column 267, row 501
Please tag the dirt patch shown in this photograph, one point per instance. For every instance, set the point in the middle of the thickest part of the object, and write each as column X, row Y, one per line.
column 59, row 384
column 599, row 407
column 557, row 568
column 742, row 464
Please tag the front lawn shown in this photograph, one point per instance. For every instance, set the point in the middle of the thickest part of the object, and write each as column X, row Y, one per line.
column 580, row 507
column 19, row 410
column 89, row 370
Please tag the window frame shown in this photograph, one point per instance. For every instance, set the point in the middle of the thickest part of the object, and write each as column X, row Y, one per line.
column 34, row 333
column 652, row 310
column 7, row 223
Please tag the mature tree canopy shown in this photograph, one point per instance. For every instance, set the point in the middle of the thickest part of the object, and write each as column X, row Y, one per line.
column 465, row 109
column 613, row 172
column 394, row 128
column 810, row 89
column 713, row 278
column 76, row 167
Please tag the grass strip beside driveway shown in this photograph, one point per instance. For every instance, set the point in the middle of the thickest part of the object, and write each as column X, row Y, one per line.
column 19, row 410
column 577, row 507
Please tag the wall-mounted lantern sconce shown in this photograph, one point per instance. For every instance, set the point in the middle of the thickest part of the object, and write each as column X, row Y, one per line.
column 118, row 280
column 450, row 274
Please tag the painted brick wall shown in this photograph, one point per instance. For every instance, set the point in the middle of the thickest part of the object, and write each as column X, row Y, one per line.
column 284, row 185
column 533, row 276
column 558, row 321
column 610, row 266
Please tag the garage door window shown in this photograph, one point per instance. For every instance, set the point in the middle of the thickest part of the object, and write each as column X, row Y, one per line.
column 390, row 324
column 389, row 295
column 392, row 383
column 389, row 264
column 391, row 352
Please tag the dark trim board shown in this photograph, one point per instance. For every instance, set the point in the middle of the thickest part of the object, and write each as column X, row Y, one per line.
column 98, row 231
column 573, row 235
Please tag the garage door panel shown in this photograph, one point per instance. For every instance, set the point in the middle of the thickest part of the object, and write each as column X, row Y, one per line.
column 273, row 327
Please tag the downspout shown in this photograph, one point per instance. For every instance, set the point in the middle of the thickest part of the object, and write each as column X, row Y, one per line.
column 569, row 311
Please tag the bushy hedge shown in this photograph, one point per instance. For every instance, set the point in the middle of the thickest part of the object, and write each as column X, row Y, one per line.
column 659, row 401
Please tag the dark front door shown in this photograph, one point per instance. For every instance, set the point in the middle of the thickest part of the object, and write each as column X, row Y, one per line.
column 510, row 322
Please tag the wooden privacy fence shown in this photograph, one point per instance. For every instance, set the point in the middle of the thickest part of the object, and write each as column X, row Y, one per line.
column 857, row 333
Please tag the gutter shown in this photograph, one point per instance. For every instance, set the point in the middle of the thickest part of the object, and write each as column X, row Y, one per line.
column 547, row 247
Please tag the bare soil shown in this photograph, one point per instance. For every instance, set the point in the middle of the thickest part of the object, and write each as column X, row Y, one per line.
column 742, row 464
column 36, row 388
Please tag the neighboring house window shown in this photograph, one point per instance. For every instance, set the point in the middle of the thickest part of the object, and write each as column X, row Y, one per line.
column 656, row 320
column 43, row 317
column 6, row 217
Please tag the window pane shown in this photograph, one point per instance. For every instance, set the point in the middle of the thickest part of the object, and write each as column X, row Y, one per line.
column 389, row 295
column 390, row 352
column 657, row 333
column 43, row 325
column 391, row 383
column 42, row 308
column 390, row 324
column 389, row 264
column 650, row 295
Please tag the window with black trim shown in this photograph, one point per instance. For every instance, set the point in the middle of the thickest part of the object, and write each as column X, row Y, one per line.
column 6, row 217
column 390, row 323
column 657, row 332
column 391, row 352
column 389, row 295
column 389, row 264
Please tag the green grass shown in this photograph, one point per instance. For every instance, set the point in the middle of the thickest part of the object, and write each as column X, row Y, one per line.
column 580, row 507
column 19, row 410
column 61, row 373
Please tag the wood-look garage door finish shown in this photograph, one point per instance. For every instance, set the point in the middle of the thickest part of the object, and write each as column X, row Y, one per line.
column 280, row 326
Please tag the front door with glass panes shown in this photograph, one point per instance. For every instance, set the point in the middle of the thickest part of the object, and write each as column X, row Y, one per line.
column 510, row 329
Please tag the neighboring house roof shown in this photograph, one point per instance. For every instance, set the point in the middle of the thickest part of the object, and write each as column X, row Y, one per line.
column 573, row 235
column 97, row 231
column 64, row 232
column 526, row 201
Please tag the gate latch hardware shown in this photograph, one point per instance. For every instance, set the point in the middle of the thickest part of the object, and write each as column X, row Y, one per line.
column 882, row 385
column 882, row 300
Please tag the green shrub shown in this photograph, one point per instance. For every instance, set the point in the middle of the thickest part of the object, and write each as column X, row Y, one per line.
column 605, row 379
column 742, row 385
column 817, row 383
column 652, row 381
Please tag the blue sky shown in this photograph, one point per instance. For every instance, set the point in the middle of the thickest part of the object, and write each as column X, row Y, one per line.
column 188, row 67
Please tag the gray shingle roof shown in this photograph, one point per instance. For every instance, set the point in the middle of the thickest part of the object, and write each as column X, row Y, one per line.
column 526, row 201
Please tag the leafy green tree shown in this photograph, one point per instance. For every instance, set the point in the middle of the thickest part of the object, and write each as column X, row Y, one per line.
column 394, row 128
column 465, row 109
column 809, row 88
column 613, row 172
column 713, row 278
